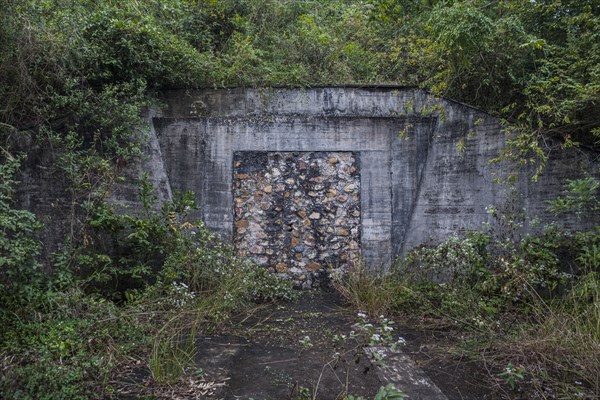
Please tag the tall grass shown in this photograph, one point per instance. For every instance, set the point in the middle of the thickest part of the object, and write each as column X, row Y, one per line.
column 560, row 346
column 534, row 327
column 365, row 290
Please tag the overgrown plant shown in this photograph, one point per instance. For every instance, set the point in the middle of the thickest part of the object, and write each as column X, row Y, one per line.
column 531, row 299
column 171, row 277
column 76, row 76
column 70, row 349
column 173, row 349
column 22, row 279
column 370, row 291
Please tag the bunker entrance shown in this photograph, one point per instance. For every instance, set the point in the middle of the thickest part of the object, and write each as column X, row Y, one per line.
column 297, row 213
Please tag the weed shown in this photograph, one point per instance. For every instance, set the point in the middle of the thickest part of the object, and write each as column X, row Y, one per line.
column 512, row 374
column 303, row 393
column 21, row 275
column 387, row 392
column 365, row 290
column 70, row 351
column 306, row 342
column 173, row 350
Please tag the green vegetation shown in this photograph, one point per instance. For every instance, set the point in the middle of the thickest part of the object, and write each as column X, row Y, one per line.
column 140, row 283
column 528, row 304
column 534, row 63
column 76, row 76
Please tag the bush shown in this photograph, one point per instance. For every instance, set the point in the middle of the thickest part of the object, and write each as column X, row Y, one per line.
column 528, row 301
column 21, row 277
column 69, row 350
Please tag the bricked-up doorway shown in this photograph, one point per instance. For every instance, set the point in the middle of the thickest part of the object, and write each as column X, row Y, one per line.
column 297, row 213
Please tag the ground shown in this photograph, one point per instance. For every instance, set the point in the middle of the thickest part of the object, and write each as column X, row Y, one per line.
column 287, row 351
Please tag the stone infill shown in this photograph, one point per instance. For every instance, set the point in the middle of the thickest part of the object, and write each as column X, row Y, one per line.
column 297, row 213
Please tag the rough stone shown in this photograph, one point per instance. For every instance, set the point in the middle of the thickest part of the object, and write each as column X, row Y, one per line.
column 262, row 260
column 281, row 267
column 314, row 266
column 305, row 213
column 257, row 250
column 342, row 198
column 342, row 232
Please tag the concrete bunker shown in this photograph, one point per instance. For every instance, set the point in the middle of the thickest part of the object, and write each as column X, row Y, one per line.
column 422, row 170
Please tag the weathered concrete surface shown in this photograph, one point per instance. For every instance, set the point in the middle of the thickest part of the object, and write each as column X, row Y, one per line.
column 399, row 370
column 273, row 363
column 211, row 172
column 291, row 350
column 417, row 185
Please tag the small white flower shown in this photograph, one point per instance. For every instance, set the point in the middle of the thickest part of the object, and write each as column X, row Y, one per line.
column 362, row 315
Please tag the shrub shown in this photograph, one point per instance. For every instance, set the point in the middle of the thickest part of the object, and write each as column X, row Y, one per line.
column 21, row 275
column 69, row 350
column 529, row 301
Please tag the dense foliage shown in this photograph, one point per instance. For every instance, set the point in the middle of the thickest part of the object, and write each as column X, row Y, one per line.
column 75, row 76
column 535, row 63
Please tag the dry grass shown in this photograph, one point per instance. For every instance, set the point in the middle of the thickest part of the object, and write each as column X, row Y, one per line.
column 560, row 349
column 365, row 290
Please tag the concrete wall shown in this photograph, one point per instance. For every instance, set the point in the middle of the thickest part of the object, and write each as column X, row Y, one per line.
column 417, row 186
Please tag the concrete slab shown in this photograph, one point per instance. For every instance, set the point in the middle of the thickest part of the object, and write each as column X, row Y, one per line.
column 399, row 370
